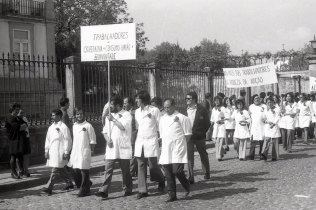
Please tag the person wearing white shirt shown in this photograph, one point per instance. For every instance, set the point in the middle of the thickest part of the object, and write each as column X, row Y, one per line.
column 272, row 130
column 304, row 115
column 117, row 133
column 146, row 145
column 257, row 126
column 219, row 130
column 57, row 147
column 128, row 105
column 289, row 111
column 242, row 133
column 175, row 130
column 313, row 112
column 83, row 145
column 229, row 123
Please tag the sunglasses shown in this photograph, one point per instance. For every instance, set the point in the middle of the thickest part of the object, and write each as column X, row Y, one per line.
column 188, row 98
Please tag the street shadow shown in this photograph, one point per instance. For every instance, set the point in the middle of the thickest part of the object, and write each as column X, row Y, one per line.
column 295, row 156
column 303, row 150
column 200, row 172
column 220, row 193
column 242, row 177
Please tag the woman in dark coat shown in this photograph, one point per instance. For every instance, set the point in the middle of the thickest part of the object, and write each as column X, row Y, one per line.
column 15, row 128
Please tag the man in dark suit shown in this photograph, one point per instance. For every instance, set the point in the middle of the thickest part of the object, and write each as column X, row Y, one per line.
column 200, row 122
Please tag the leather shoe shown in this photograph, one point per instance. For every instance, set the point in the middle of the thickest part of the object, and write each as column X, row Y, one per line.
column 263, row 157
column 47, row 191
column 68, row 187
column 207, row 176
column 82, row 195
column 102, row 195
column 171, row 199
column 141, row 195
column 274, row 159
column 161, row 186
column 191, row 181
column 15, row 176
column 128, row 193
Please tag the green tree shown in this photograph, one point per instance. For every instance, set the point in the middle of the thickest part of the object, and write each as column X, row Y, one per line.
column 71, row 14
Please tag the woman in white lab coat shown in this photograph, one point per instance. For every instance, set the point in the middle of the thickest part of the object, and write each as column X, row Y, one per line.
column 229, row 123
column 304, row 115
column 272, row 130
column 242, row 134
column 219, row 131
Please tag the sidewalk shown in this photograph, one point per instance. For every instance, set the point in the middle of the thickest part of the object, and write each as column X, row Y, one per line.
column 40, row 174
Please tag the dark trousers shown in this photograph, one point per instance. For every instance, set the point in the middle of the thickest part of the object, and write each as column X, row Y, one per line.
column 82, row 180
column 57, row 175
column 16, row 159
column 155, row 172
column 253, row 148
column 172, row 171
column 287, row 144
column 275, row 147
column 133, row 163
column 126, row 176
column 201, row 148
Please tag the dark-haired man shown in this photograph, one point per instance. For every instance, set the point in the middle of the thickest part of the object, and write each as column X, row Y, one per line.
column 57, row 148
column 200, row 122
column 146, row 146
column 117, row 133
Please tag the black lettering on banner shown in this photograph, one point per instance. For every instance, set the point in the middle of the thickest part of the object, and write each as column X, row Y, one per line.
column 244, row 81
column 256, row 80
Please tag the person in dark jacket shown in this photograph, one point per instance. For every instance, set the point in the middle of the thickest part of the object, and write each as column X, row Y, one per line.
column 15, row 128
column 200, row 123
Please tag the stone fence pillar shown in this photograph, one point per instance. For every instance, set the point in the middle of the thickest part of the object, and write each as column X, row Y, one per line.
column 73, row 83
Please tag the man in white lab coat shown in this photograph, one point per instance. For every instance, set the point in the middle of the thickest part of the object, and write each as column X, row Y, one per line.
column 117, row 133
column 57, row 147
column 146, row 145
column 175, row 130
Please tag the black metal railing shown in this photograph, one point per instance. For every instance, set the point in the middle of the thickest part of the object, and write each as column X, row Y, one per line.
column 37, row 83
column 23, row 8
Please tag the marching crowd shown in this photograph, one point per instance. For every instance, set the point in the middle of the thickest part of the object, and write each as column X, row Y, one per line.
column 154, row 134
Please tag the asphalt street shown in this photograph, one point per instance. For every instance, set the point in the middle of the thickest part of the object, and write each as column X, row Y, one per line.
column 289, row 183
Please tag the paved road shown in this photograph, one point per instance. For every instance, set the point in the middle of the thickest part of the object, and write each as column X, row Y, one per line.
column 289, row 183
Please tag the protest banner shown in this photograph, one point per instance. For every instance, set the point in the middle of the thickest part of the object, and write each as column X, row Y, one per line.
column 251, row 76
column 108, row 42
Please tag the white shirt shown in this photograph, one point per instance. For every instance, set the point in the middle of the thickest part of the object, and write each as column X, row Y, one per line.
column 57, row 143
column 257, row 124
column 304, row 108
column 147, row 122
column 241, row 131
column 272, row 116
column 173, row 129
column 84, row 135
column 122, row 145
column 191, row 113
column 219, row 130
column 229, row 124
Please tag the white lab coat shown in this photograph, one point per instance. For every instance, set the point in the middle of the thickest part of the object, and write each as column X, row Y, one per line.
column 257, row 124
column 274, row 117
column 219, row 130
column 58, row 142
column 147, row 122
column 173, row 129
column 84, row 135
column 122, row 145
column 241, row 131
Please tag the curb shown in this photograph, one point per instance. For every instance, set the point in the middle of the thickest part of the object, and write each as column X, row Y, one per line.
column 39, row 178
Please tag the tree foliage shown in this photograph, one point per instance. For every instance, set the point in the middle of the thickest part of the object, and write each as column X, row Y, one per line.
column 71, row 14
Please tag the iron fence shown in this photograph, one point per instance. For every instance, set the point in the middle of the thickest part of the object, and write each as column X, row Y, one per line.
column 37, row 83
